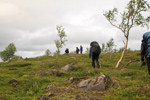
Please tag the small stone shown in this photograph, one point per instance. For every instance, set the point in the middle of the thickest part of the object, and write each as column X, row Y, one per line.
column 51, row 86
column 42, row 98
column 50, row 94
column 68, row 67
column 127, row 77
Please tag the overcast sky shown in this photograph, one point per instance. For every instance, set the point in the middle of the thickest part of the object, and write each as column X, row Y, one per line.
column 31, row 25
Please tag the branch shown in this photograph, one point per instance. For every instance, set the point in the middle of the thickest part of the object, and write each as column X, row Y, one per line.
column 123, row 42
column 115, row 25
column 132, row 61
column 132, row 19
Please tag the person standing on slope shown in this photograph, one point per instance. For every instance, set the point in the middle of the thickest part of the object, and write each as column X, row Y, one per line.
column 66, row 51
column 77, row 50
column 94, row 51
column 81, row 49
column 145, row 49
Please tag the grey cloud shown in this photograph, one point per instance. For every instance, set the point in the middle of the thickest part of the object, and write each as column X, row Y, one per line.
column 37, row 40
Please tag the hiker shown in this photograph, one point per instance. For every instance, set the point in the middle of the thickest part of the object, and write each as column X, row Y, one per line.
column 94, row 51
column 66, row 51
column 81, row 49
column 143, row 52
column 77, row 50
column 145, row 49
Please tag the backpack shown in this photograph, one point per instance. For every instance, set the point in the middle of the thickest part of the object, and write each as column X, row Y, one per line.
column 95, row 48
column 146, row 38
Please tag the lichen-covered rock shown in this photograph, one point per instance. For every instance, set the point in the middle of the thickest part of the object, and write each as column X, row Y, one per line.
column 98, row 83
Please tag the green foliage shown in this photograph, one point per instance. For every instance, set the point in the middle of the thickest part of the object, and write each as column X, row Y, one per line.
column 61, row 41
column 15, row 57
column 87, row 51
column 103, row 48
column 48, row 53
column 109, row 46
column 110, row 15
column 121, row 49
column 8, row 53
column 131, row 16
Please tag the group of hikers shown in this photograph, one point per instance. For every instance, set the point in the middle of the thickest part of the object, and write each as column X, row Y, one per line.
column 95, row 51
column 77, row 50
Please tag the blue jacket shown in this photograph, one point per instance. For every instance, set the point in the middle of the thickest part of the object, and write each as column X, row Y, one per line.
column 146, row 38
column 81, row 48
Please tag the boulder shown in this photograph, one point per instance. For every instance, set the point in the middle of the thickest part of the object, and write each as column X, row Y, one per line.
column 98, row 83
column 68, row 67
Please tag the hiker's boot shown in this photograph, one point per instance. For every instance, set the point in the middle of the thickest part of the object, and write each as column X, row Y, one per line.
column 97, row 62
column 93, row 64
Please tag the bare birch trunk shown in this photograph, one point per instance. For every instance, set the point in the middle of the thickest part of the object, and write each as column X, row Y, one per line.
column 122, row 53
column 57, row 54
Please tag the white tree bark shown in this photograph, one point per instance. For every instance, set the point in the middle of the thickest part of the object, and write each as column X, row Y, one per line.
column 118, row 63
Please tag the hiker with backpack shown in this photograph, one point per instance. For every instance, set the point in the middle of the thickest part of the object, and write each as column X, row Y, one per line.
column 94, row 52
column 143, row 52
column 77, row 50
column 66, row 51
column 145, row 49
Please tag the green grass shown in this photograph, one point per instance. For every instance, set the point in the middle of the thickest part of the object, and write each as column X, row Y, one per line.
column 32, row 83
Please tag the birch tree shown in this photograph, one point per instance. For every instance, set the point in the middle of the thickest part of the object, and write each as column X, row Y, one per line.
column 47, row 52
column 61, row 41
column 131, row 16
column 8, row 53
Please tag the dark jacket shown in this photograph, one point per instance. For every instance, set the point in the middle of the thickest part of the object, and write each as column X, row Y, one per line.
column 146, row 39
column 67, row 51
column 77, row 50
column 94, row 49
column 143, row 50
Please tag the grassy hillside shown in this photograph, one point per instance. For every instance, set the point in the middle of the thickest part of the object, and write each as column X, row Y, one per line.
column 33, row 76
